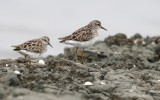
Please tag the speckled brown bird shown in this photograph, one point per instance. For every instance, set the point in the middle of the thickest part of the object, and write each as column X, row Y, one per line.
column 83, row 37
column 33, row 48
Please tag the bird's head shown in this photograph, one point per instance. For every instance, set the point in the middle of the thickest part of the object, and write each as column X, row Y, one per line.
column 46, row 40
column 96, row 24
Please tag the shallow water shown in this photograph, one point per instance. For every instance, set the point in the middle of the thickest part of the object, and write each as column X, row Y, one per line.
column 24, row 20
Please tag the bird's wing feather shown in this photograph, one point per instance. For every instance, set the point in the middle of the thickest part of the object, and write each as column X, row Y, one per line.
column 32, row 46
column 82, row 34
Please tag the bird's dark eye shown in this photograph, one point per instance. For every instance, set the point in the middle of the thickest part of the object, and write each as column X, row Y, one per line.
column 98, row 24
column 45, row 40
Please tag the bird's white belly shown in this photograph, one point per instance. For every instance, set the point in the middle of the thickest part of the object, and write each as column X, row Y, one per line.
column 29, row 54
column 82, row 44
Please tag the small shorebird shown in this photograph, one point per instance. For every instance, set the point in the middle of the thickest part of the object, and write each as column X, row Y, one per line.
column 33, row 48
column 83, row 37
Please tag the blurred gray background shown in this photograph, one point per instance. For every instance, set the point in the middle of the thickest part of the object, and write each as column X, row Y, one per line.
column 22, row 20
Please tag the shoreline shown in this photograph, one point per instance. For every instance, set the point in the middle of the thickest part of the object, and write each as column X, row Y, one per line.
column 115, row 69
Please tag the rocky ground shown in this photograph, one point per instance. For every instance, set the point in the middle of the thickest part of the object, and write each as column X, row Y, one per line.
column 118, row 68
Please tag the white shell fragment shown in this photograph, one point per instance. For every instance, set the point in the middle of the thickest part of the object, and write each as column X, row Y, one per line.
column 88, row 83
column 6, row 65
column 118, row 53
column 103, row 83
column 133, row 88
column 17, row 72
column 16, row 66
column 143, row 42
column 41, row 62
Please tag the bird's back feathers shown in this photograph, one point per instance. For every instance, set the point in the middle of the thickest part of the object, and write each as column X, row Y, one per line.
column 81, row 35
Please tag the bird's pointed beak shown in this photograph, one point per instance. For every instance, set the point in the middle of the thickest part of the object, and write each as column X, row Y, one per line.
column 103, row 28
column 50, row 45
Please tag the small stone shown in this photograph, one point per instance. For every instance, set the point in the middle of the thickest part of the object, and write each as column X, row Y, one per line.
column 130, row 96
column 158, row 68
column 157, row 50
column 153, row 58
column 2, row 95
column 14, row 81
column 137, row 36
column 40, row 82
column 4, row 70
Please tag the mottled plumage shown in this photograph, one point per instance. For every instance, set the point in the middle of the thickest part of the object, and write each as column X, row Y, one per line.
column 35, row 46
column 83, row 37
column 85, row 33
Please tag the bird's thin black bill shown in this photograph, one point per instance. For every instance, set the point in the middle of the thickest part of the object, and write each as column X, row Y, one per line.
column 103, row 28
column 50, row 45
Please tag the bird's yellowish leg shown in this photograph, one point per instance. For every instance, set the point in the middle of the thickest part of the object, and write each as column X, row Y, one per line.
column 30, row 62
column 76, row 54
column 82, row 56
column 25, row 57
column 30, row 68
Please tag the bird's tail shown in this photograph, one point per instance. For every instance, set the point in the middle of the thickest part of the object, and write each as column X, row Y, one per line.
column 63, row 39
column 16, row 48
